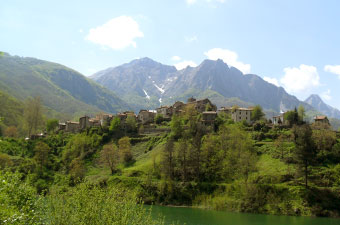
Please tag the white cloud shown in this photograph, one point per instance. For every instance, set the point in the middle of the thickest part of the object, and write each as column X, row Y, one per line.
column 191, row 39
column 175, row 58
column 117, row 33
column 326, row 95
column 300, row 79
column 333, row 69
column 184, row 64
column 229, row 57
column 271, row 80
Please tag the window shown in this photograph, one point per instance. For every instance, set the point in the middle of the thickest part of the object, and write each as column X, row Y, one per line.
column 246, row 113
column 240, row 113
column 240, row 118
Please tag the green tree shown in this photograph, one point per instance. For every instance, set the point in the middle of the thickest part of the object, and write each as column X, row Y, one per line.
column 292, row 117
column 131, row 123
column 11, row 132
column 51, row 125
column 305, row 150
column 159, row 119
column 176, row 126
column 115, row 125
column 257, row 113
column 109, row 157
column 169, row 158
column 125, row 150
column 41, row 151
column 301, row 113
column 33, row 114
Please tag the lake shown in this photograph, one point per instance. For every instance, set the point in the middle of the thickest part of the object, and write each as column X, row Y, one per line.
column 192, row 216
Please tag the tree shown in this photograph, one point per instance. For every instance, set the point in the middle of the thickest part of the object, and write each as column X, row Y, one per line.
column 159, row 118
column 168, row 158
column 176, row 126
column 51, row 125
column 305, row 150
column 5, row 161
column 257, row 113
column 182, row 158
column 11, row 132
column 77, row 169
column 115, row 125
column 125, row 150
column 41, row 150
column 33, row 114
column 131, row 124
column 301, row 113
column 110, row 157
column 292, row 117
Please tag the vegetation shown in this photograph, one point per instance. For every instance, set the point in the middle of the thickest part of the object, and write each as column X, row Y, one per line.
column 227, row 166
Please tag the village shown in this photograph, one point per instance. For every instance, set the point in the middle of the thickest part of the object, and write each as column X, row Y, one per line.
column 204, row 106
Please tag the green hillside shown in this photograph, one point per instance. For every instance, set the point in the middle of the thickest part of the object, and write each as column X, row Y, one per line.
column 62, row 89
column 11, row 110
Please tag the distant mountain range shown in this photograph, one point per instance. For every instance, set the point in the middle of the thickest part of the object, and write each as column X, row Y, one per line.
column 320, row 106
column 145, row 83
column 64, row 92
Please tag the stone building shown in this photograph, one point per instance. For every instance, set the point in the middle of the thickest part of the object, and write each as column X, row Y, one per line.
column 279, row 120
column 201, row 105
column 72, row 127
column 240, row 114
column 321, row 120
column 208, row 117
column 165, row 111
column 84, row 122
column 145, row 116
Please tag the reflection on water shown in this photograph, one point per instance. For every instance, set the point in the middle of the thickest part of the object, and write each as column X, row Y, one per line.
column 191, row 216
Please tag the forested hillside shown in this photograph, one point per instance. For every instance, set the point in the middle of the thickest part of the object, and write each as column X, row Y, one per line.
column 61, row 89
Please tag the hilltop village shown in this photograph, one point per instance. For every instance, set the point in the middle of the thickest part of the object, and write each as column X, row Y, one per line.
column 204, row 106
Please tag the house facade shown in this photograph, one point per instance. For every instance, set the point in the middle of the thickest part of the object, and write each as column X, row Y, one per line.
column 240, row 114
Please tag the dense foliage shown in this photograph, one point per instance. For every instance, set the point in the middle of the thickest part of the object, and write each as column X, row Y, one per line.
column 228, row 166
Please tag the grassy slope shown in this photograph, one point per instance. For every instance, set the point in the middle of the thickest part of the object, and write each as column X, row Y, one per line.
column 61, row 89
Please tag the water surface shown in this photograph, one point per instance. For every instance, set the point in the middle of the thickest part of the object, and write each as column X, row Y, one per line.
column 192, row 216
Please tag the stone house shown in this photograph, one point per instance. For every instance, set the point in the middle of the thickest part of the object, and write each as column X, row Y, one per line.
column 279, row 120
column 321, row 120
column 72, row 127
column 226, row 110
column 240, row 114
column 84, row 122
column 200, row 105
column 208, row 117
column 165, row 111
column 145, row 116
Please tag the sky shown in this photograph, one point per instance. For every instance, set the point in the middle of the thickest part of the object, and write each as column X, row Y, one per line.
column 292, row 44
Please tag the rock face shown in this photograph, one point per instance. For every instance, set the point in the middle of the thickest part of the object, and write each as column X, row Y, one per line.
column 154, row 84
column 316, row 102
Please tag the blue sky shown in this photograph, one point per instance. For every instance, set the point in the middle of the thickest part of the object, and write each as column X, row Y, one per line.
column 294, row 44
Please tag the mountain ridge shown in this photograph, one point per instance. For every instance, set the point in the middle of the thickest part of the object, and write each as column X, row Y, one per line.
column 63, row 90
column 214, row 75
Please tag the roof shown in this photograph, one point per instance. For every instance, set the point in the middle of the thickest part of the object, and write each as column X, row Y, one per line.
column 320, row 117
column 209, row 112
column 245, row 109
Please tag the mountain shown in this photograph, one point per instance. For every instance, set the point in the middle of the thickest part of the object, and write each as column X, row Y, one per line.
column 63, row 91
column 315, row 101
column 140, row 82
column 148, row 81
column 11, row 110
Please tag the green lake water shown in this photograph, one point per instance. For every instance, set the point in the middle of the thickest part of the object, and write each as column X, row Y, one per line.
column 192, row 216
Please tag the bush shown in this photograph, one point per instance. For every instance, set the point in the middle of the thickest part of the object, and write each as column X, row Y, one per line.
column 90, row 204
